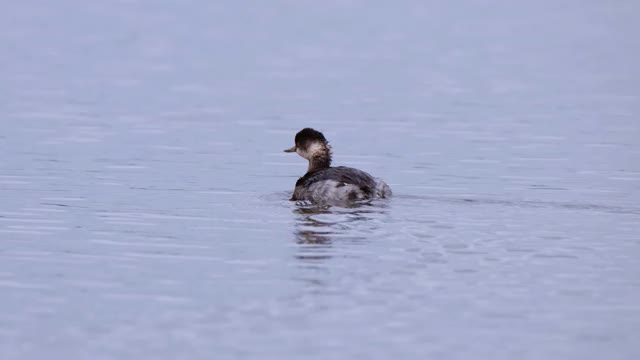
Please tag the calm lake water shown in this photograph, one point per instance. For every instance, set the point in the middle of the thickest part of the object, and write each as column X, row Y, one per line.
column 143, row 187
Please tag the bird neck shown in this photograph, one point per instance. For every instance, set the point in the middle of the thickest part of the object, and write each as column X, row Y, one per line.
column 320, row 159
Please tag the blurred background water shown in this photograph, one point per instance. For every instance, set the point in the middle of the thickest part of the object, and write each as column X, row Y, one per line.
column 143, row 188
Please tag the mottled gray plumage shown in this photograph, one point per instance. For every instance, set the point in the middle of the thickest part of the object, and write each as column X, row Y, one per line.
column 333, row 185
column 340, row 183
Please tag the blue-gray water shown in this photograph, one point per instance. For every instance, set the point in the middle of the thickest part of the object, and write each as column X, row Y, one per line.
column 143, row 187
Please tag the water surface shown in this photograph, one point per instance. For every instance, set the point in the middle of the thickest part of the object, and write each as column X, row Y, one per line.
column 143, row 187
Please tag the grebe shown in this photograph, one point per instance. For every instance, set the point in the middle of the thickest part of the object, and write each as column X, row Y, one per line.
column 331, row 185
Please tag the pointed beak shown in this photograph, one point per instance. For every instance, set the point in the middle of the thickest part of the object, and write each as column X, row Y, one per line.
column 293, row 149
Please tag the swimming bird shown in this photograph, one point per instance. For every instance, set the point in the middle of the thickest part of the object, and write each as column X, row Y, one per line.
column 331, row 185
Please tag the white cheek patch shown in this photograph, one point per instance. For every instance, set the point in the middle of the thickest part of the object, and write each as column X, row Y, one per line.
column 315, row 148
